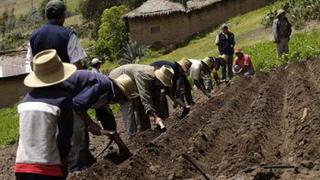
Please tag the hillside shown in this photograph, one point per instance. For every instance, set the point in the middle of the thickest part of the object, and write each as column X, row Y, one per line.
column 24, row 6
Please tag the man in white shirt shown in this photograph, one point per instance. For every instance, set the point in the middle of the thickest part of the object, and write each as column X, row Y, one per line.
column 198, row 70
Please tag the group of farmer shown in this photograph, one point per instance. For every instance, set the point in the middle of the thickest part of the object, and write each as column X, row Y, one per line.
column 54, row 120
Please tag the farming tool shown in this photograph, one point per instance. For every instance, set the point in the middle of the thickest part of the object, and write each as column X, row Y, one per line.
column 270, row 167
column 187, row 158
column 114, row 136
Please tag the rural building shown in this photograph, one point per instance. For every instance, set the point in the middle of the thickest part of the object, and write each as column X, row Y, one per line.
column 170, row 22
column 13, row 70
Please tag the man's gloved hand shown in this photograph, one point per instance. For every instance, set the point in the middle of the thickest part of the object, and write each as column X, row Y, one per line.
column 94, row 128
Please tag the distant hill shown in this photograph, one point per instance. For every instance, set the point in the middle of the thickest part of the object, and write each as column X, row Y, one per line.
column 23, row 6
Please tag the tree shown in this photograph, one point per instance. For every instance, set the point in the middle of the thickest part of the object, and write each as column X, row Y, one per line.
column 113, row 33
column 42, row 8
column 4, row 19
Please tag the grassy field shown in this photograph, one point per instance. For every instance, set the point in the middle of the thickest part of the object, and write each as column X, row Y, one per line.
column 247, row 29
column 8, row 126
column 24, row 6
column 250, row 35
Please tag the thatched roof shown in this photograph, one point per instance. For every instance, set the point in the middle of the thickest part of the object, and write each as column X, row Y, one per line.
column 165, row 7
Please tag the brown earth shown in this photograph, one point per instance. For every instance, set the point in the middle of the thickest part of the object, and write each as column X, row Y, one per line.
column 255, row 121
column 272, row 118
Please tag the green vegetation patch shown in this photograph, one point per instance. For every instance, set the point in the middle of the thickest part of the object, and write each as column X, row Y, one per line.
column 9, row 124
column 303, row 46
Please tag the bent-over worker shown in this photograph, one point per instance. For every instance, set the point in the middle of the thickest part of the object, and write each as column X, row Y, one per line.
column 45, row 121
column 90, row 90
column 149, row 83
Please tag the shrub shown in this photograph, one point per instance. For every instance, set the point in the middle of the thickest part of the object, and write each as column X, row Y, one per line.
column 299, row 12
column 113, row 33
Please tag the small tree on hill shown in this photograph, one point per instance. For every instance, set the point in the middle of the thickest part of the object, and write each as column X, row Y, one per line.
column 113, row 33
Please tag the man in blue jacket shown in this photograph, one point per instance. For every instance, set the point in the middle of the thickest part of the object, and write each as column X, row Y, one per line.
column 53, row 35
column 92, row 90
column 225, row 41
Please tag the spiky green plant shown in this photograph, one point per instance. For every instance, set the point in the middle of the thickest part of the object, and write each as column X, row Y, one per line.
column 132, row 53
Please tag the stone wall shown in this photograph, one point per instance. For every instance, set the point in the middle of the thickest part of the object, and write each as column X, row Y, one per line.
column 12, row 90
column 177, row 27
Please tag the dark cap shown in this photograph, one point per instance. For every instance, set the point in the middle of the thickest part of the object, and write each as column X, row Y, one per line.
column 55, row 8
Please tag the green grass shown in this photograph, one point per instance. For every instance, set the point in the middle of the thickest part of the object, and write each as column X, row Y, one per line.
column 303, row 45
column 8, row 126
column 247, row 29
column 22, row 7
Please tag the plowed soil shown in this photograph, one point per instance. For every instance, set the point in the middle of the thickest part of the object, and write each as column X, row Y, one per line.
column 272, row 118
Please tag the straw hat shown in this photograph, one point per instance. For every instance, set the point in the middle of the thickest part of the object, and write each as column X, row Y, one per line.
column 224, row 26
column 48, row 70
column 165, row 75
column 95, row 61
column 280, row 11
column 185, row 64
column 208, row 62
column 127, row 86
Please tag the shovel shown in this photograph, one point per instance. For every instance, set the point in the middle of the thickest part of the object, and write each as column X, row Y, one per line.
column 114, row 136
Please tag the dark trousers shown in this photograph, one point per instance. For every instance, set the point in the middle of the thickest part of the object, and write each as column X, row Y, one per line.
column 106, row 118
column 186, row 94
column 30, row 176
column 228, row 66
column 80, row 156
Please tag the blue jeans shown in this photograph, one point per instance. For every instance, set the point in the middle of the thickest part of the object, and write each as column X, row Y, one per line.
column 228, row 66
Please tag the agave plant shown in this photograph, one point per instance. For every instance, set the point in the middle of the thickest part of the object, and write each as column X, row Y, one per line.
column 132, row 53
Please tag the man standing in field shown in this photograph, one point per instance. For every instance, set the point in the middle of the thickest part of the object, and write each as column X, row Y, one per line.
column 281, row 32
column 53, row 35
column 225, row 41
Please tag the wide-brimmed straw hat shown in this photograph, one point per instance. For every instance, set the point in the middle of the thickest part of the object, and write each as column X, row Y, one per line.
column 165, row 75
column 48, row 70
column 280, row 11
column 96, row 61
column 224, row 26
column 185, row 64
column 209, row 62
column 127, row 86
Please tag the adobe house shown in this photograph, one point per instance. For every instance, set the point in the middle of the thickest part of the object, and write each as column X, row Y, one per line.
column 170, row 22
column 13, row 70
